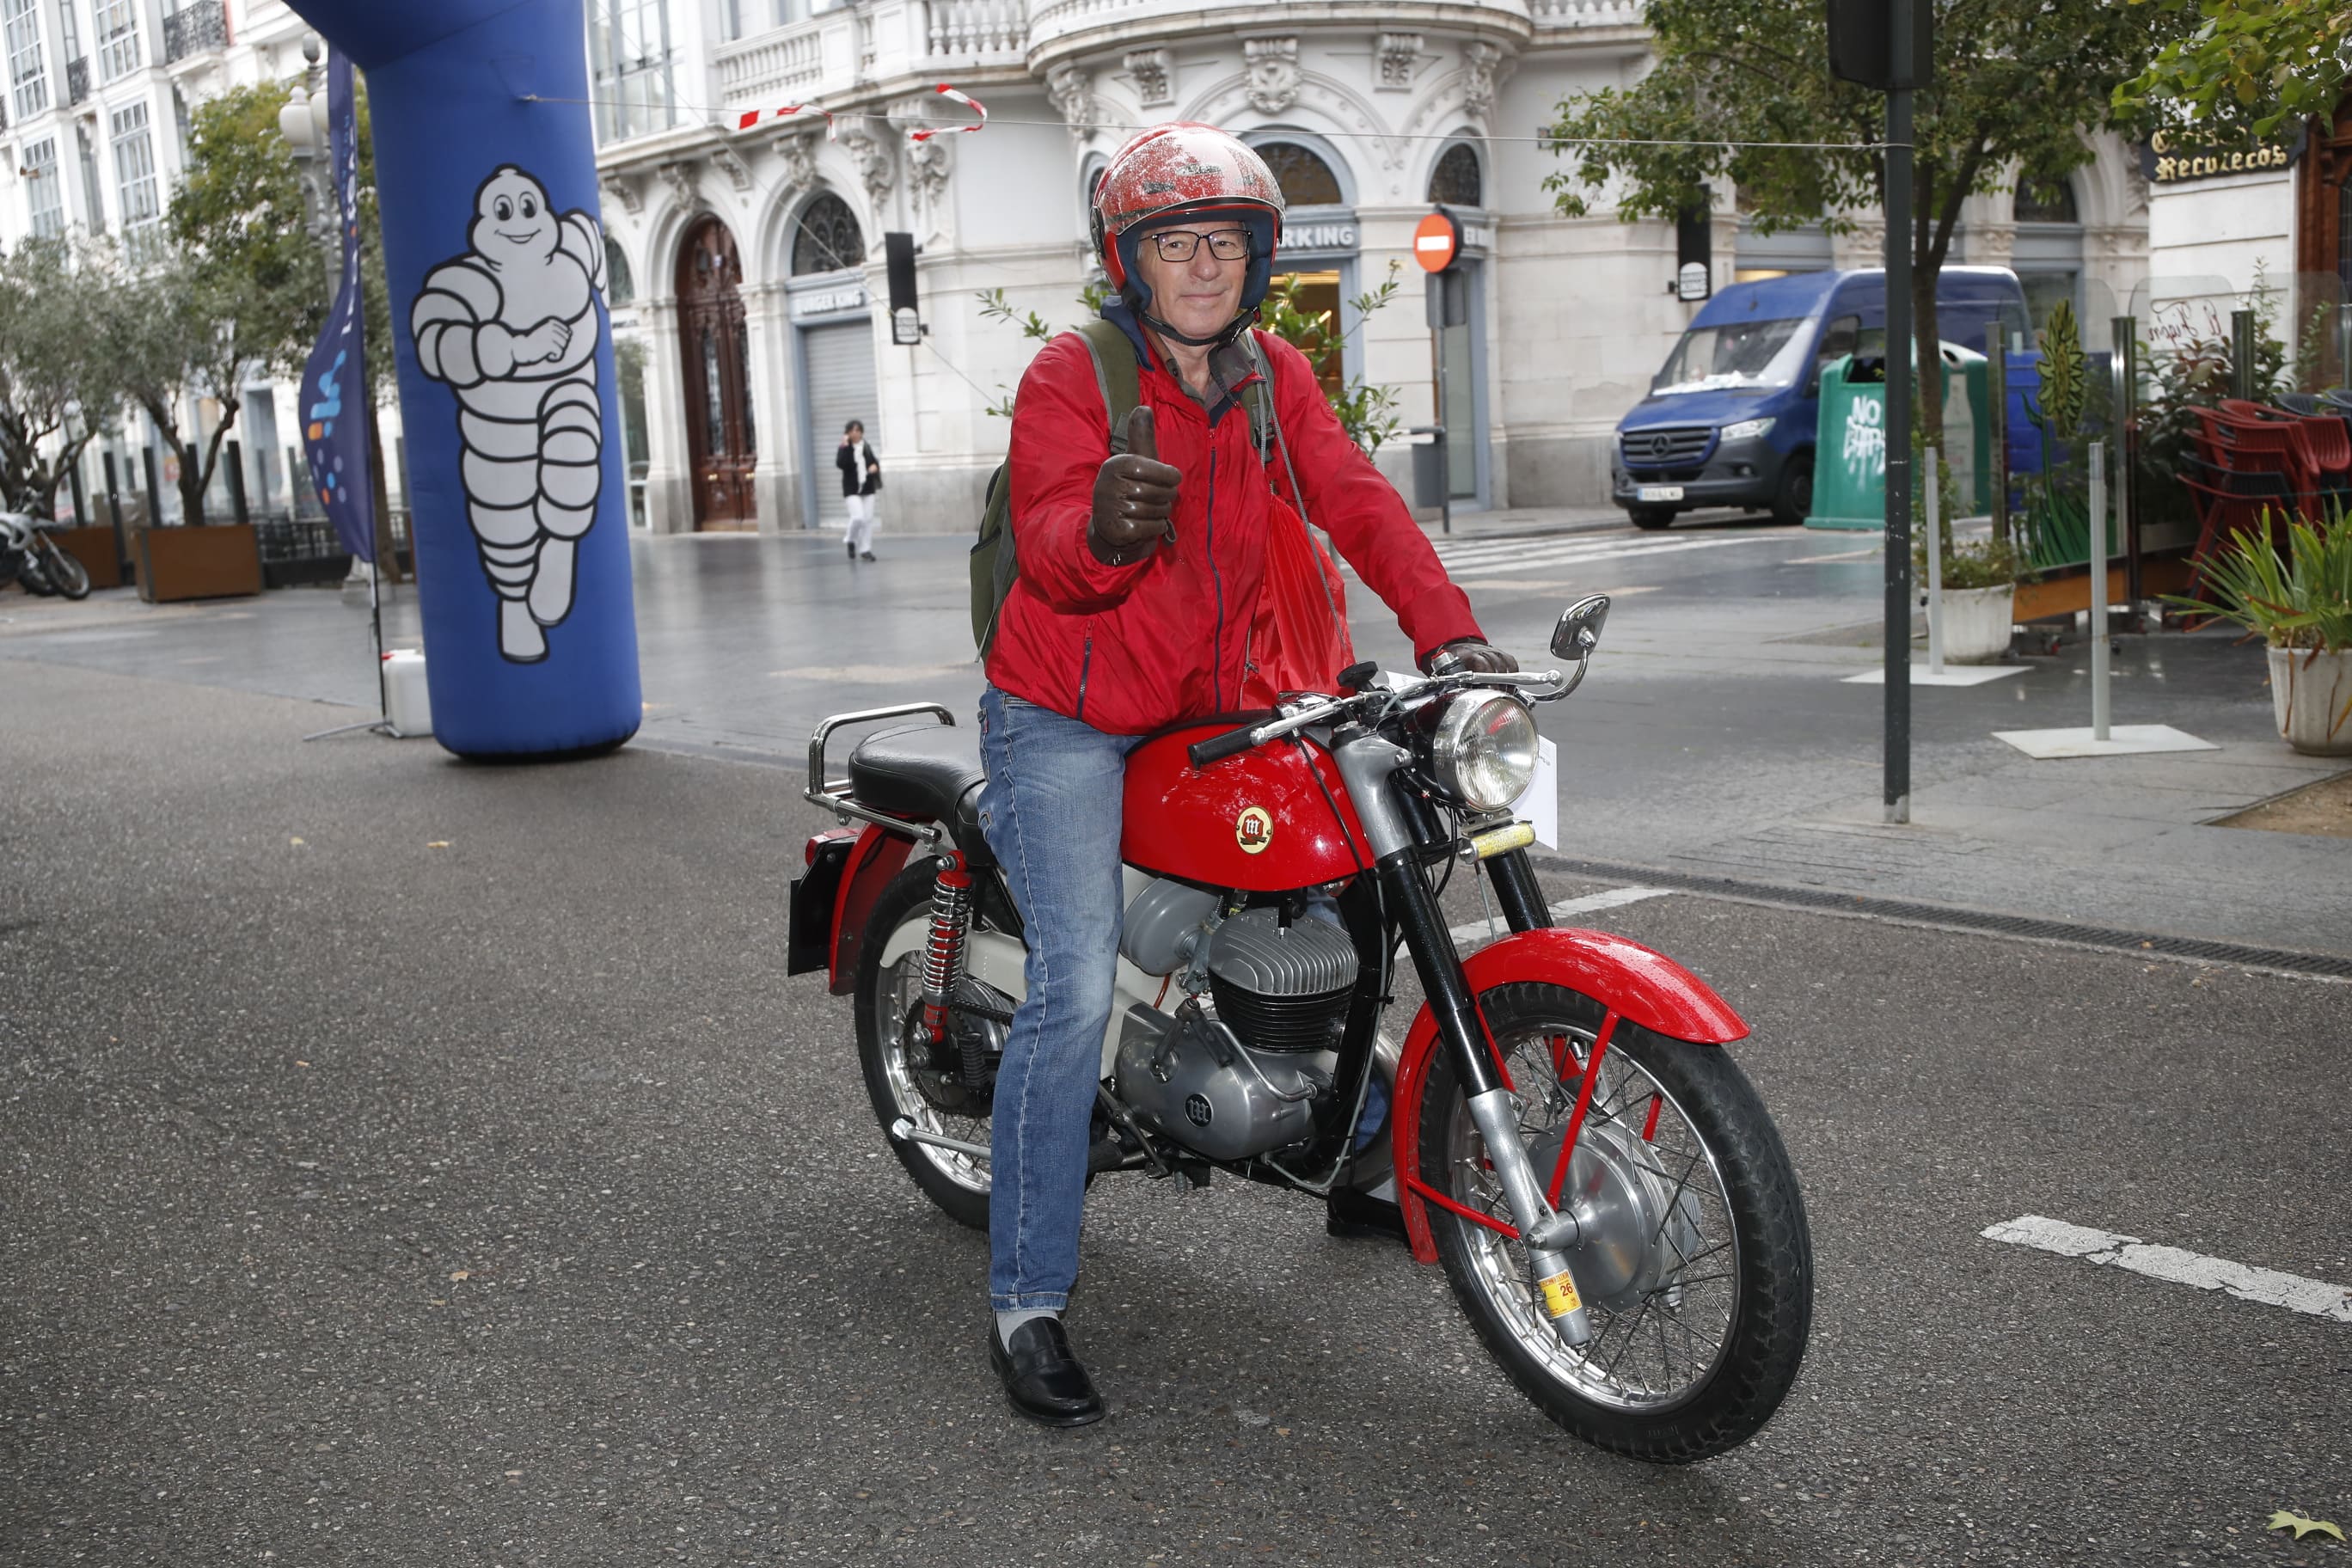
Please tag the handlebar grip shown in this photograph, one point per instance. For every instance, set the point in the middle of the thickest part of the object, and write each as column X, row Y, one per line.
column 1217, row 748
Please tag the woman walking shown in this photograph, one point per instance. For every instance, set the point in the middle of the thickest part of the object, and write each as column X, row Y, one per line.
column 861, row 478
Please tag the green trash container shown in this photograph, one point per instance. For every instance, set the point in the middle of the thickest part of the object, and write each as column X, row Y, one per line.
column 1850, row 442
column 1850, row 447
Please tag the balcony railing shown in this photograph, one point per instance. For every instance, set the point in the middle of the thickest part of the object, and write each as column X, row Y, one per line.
column 1586, row 13
column 198, row 25
column 839, row 50
column 78, row 79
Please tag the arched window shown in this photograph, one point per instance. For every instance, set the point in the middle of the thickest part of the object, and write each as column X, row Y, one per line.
column 2045, row 201
column 1456, row 182
column 827, row 238
column 1307, row 181
column 620, row 287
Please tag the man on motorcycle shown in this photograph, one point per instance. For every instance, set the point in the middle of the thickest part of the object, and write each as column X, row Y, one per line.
column 1140, row 575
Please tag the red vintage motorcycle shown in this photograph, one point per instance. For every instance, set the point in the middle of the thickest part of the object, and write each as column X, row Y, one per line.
column 1560, row 1127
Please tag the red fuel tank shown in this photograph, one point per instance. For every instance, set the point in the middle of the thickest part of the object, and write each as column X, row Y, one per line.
column 1256, row 822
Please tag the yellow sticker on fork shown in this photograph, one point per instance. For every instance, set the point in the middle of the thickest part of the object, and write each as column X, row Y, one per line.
column 1559, row 1294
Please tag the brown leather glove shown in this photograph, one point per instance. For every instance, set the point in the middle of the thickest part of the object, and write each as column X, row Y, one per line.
column 1135, row 496
column 1476, row 657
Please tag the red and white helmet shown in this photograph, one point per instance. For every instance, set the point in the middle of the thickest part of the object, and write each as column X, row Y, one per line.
column 1185, row 170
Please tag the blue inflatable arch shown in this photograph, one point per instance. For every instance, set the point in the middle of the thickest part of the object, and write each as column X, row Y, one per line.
column 494, row 256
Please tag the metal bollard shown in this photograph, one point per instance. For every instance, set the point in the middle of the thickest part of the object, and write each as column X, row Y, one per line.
column 1935, row 537
column 2098, row 591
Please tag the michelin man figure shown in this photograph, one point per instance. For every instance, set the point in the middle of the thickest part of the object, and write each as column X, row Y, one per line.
column 511, row 326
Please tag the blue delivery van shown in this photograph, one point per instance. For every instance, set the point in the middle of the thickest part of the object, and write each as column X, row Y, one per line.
column 1729, row 419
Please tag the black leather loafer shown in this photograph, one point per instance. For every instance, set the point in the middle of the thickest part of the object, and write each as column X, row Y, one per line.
column 1042, row 1378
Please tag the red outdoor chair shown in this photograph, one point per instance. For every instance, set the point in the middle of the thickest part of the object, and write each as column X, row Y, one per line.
column 2227, row 502
column 2258, row 446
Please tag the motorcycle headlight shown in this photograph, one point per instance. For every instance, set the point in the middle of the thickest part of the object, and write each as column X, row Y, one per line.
column 1484, row 749
column 1747, row 430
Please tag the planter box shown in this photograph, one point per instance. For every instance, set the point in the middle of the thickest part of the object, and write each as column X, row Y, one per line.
column 1976, row 624
column 94, row 547
column 217, row 561
column 2311, row 698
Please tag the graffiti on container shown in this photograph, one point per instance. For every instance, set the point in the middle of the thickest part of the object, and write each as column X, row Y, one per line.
column 1865, row 439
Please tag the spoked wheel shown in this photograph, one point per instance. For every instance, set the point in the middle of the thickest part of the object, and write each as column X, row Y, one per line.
column 1694, row 1258
column 910, row 1075
column 65, row 574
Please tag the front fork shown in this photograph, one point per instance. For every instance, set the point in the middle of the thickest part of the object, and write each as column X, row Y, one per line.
column 1545, row 1232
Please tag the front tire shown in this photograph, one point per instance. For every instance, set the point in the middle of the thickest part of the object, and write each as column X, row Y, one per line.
column 1695, row 1261
column 65, row 573
column 1650, row 519
column 903, row 1077
column 1793, row 498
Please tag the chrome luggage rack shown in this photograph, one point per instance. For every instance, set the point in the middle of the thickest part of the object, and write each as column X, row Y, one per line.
column 833, row 795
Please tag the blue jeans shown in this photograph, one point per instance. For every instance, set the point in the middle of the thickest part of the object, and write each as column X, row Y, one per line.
column 1050, row 810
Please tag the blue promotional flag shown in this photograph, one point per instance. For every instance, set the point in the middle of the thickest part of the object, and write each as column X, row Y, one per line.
column 334, row 381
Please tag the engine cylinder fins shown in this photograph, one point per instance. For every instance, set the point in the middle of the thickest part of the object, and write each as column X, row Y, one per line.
column 1282, row 987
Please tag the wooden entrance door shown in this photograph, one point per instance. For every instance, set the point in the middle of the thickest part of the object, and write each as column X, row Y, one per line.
column 715, row 365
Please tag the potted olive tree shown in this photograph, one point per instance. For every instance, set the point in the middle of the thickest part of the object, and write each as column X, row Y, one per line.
column 2302, row 606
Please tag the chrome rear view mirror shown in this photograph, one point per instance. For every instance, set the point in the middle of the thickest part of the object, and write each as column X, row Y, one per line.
column 1579, row 631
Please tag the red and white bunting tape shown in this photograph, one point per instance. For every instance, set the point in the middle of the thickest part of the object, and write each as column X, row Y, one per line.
column 749, row 118
column 963, row 97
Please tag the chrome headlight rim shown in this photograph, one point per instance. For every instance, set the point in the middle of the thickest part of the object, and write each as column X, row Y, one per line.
column 1470, row 755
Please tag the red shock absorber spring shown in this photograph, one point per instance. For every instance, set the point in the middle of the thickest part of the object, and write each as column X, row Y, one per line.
column 943, row 952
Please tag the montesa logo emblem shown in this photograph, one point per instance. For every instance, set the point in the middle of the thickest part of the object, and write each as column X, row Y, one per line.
column 1254, row 830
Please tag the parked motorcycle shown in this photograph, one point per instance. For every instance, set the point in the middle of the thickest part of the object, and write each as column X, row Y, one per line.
column 1561, row 1126
column 33, row 558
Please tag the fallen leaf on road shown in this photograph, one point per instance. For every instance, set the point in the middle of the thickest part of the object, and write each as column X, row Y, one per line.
column 296, row 842
column 461, row 1274
column 301, row 1063
column 438, row 844
column 2302, row 1527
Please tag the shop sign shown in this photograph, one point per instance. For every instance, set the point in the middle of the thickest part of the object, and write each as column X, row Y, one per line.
column 827, row 301
column 2168, row 159
column 1319, row 236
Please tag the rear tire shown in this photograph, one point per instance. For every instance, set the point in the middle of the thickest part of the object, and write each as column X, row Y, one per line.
column 1723, row 1286
column 1792, row 498
column 889, row 1006
column 1650, row 518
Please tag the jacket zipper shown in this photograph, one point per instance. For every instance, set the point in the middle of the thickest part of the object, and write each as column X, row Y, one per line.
column 1216, row 580
column 1085, row 666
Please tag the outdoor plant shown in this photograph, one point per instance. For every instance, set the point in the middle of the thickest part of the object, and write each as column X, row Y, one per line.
column 2057, row 514
column 2302, row 601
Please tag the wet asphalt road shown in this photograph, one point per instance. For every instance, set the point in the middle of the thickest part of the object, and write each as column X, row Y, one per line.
column 408, row 1161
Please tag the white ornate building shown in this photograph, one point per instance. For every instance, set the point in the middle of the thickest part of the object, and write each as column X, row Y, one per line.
column 756, row 257
column 747, row 265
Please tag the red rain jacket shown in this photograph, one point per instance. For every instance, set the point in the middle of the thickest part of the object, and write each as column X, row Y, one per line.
column 1131, row 650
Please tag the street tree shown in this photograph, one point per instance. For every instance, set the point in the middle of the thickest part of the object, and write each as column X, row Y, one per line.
column 1741, row 91
column 58, row 387
column 2245, row 67
column 183, row 334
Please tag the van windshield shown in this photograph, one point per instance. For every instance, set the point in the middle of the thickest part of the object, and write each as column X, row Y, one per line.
column 1735, row 355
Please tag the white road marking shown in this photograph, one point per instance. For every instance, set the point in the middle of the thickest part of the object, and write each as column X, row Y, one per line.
column 1491, row 558
column 1477, row 930
column 2265, row 1286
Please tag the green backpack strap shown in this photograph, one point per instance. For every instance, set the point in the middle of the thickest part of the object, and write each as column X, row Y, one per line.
column 1116, row 373
column 996, row 559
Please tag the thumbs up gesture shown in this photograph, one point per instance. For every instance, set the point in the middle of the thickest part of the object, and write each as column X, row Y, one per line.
column 1135, row 496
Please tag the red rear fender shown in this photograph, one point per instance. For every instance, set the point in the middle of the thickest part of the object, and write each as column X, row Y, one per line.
column 877, row 859
column 1643, row 985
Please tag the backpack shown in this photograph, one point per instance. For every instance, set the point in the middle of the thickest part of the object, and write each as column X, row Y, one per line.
column 995, row 563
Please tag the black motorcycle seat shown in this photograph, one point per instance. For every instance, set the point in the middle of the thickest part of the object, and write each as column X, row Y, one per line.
column 930, row 771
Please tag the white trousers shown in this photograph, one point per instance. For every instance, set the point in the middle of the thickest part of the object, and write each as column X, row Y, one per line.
column 860, row 533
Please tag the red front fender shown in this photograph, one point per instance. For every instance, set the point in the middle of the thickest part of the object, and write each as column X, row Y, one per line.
column 1640, row 984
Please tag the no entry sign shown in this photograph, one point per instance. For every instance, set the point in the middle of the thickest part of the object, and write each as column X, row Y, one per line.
column 1436, row 241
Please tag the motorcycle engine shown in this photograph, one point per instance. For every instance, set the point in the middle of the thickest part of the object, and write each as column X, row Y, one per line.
column 1238, row 1077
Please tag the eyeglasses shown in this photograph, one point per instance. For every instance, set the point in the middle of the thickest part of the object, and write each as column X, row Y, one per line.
column 1182, row 245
